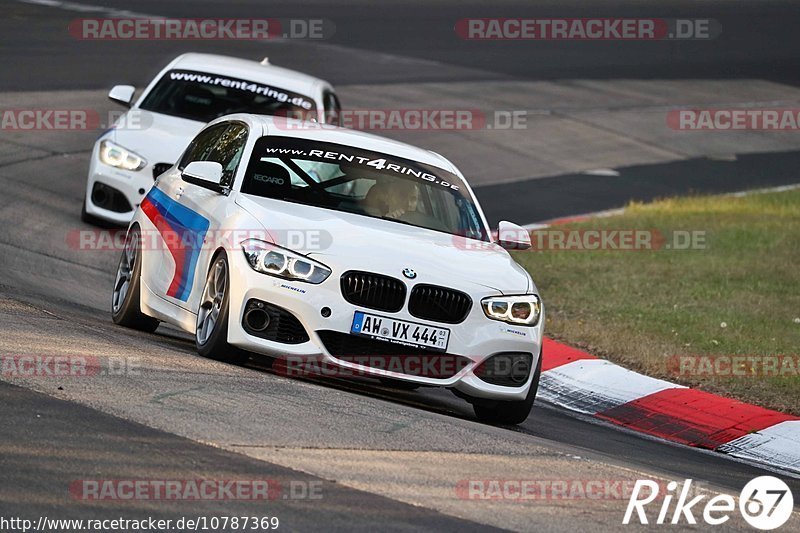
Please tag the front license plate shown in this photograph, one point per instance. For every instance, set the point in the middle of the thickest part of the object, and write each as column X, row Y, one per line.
column 400, row 332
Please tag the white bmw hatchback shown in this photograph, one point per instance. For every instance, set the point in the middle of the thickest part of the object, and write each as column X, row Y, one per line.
column 332, row 249
column 191, row 91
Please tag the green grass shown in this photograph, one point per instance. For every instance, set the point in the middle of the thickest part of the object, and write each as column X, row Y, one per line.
column 637, row 308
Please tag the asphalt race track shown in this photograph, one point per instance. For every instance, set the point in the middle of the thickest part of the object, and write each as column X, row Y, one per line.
column 382, row 459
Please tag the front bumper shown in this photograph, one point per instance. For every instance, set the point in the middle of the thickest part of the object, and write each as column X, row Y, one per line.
column 132, row 186
column 475, row 339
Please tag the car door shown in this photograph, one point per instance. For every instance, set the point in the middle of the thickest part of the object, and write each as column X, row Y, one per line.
column 201, row 212
column 174, row 250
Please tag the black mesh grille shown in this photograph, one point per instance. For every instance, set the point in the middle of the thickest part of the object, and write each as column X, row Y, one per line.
column 374, row 291
column 283, row 326
column 506, row 369
column 110, row 198
column 439, row 304
column 160, row 168
column 392, row 357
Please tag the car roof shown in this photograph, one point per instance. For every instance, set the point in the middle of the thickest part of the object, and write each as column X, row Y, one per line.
column 283, row 127
column 250, row 70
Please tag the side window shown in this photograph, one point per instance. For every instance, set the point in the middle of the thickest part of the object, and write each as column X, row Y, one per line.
column 202, row 145
column 228, row 151
column 332, row 107
column 224, row 144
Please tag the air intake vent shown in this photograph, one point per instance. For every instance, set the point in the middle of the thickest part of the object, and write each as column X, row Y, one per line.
column 273, row 323
column 506, row 369
column 439, row 304
column 108, row 197
column 374, row 291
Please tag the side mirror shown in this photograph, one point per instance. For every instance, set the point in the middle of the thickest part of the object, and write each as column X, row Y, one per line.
column 206, row 174
column 513, row 237
column 122, row 94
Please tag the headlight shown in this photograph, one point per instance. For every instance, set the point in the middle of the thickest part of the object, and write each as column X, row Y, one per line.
column 271, row 259
column 117, row 156
column 522, row 310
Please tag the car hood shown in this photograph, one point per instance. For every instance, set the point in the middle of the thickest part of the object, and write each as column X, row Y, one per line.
column 346, row 241
column 156, row 137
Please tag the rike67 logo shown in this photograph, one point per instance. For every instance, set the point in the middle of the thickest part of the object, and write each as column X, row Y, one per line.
column 765, row 503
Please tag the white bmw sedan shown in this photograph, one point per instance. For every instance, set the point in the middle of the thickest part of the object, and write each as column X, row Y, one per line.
column 191, row 91
column 336, row 250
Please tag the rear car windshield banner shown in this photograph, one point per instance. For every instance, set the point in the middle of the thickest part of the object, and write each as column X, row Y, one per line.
column 275, row 93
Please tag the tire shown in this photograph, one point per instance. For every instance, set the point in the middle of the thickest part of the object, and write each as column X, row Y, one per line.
column 211, row 332
column 125, row 308
column 515, row 412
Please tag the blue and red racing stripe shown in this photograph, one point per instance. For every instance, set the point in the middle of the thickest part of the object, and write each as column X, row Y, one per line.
column 183, row 231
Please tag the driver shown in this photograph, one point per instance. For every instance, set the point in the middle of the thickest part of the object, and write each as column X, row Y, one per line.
column 392, row 199
column 403, row 199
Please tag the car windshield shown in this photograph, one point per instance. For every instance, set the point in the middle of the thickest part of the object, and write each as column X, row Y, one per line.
column 372, row 184
column 204, row 97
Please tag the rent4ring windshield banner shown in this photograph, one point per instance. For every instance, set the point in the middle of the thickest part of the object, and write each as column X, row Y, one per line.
column 204, row 97
column 346, row 178
column 281, row 95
